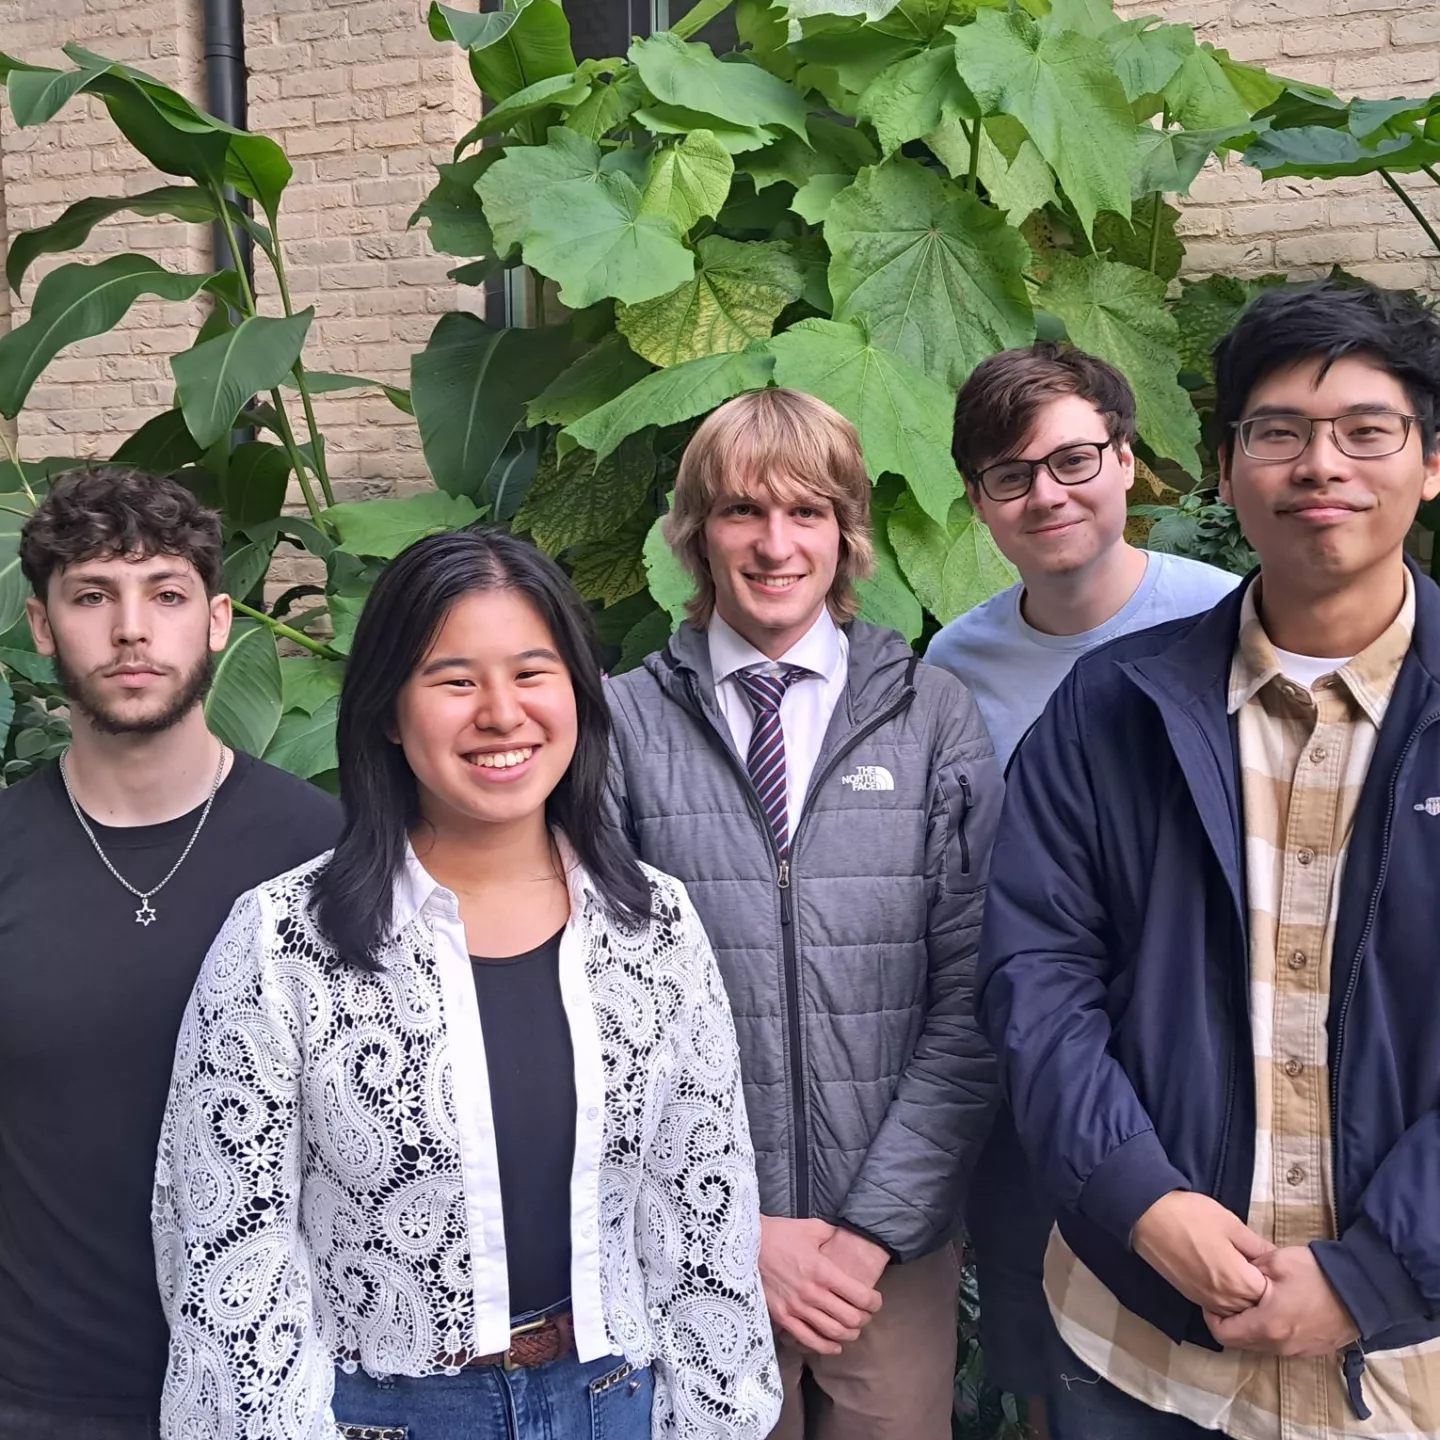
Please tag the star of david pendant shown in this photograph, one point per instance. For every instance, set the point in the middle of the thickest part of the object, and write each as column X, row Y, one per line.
column 145, row 915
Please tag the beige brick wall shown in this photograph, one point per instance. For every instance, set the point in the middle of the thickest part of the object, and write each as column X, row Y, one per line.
column 365, row 103
column 1376, row 48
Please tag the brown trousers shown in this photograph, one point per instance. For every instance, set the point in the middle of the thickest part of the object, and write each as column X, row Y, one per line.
column 897, row 1381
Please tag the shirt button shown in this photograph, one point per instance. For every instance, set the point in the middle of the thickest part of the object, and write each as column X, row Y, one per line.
column 593, row 1113
column 1317, row 755
column 1293, row 1068
column 1305, row 856
column 587, row 1229
column 1299, row 960
column 1295, row 1175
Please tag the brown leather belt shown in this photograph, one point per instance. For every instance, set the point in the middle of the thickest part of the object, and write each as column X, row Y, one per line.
column 536, row 1343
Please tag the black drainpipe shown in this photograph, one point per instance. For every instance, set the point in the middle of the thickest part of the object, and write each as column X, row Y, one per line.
column 225, row 94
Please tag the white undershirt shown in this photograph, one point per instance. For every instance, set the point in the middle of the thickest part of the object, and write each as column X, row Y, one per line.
column 1305, row 670
column 807, row 706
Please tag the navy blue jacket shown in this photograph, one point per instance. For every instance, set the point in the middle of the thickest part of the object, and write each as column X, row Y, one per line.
column 1114, row 971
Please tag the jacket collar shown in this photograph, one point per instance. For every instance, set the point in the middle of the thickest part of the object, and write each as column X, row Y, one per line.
column 417, row 890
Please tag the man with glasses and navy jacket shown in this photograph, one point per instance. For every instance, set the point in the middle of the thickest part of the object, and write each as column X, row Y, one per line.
column 1209, row 960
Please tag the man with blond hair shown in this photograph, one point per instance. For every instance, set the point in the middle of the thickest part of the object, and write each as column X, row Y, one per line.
column 829, row 802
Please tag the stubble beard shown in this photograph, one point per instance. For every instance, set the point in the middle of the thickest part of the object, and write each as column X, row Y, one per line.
column 81, row 691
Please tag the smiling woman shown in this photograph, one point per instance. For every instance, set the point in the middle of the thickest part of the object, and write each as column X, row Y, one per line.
column 492, row 1134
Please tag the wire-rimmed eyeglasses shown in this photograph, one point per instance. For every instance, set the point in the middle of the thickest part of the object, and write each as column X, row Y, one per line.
column 1362, row 434
column 1069, row 465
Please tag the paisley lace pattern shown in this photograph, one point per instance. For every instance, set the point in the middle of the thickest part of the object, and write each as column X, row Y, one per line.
column 309, row 1204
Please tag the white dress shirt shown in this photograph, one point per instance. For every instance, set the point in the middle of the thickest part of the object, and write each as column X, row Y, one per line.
column 807, row 706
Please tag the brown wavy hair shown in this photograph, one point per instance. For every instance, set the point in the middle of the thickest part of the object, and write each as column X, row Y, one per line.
column 108, row 510
column 793, row 446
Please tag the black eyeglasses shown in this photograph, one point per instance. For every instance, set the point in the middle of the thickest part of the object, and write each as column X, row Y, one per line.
column 1069, row 465
column 1364, row 435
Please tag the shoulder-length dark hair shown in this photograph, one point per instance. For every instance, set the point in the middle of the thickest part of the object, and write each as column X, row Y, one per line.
column 353, row 899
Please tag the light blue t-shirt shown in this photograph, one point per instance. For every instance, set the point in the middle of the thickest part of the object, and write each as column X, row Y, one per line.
column 1012, row 669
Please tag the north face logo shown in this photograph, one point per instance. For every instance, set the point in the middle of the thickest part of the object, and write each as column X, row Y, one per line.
column 1430, row 806
column 869, row 777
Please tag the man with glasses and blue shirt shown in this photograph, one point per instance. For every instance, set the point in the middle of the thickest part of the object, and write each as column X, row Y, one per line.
column 1208, row 962
column 1043, row 438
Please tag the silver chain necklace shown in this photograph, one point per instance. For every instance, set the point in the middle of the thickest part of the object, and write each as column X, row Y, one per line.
column 146, row 914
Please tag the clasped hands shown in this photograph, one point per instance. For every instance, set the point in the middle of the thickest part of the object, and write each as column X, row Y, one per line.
column 819, row 1281
column 1255, row 1296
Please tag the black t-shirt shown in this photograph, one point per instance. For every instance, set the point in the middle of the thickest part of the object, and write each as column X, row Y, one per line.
column 532, row 1100
column 90, row 1005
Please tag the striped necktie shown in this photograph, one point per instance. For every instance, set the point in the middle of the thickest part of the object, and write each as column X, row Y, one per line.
column 766, row 757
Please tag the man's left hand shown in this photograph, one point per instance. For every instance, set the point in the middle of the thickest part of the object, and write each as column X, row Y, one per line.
column 1299, row 1314
column 856, row 1255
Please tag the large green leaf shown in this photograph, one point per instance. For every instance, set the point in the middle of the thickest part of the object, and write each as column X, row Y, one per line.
column 509, row 48
column 738, row 290
column 582, row 498
column 16, row 507
column 952, row 566
column 1129, row 240
column 214, row 380
column 814, row 198
column 608, row 105
column 886, row 597
column 613, row 569
column 457, row 219
column 470, row 385
column 1019, row 184
column 1320, row 152
column 304, row 744
column 74, row 302
column 863, row 9
column 689, row 180
column 524, row 172
column 677, row 73
column 1063, row 88
column 1146, row 54
column 243, row 707
column 671, row 586
column 736, row 139
column 1206, row 313
column 7, row 710
column 596, row 377
column 254, row 484
column 903, row 416
column 668, row 396
column 307, row 681
column 1118, row 312
column 543, row 95
column 1169, row 160
column 915, row 96
column 386, row 527
column 595, row 239
column 1200, row 95
column 245, row 567
column 936, row 275
column 162, row 445
column 72, row 229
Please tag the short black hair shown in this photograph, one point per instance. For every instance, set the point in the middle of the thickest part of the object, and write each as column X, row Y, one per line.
column 1327, row 321
column 109, row 510
column 998, row 404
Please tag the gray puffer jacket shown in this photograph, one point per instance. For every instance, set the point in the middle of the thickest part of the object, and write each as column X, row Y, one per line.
column 850, row 967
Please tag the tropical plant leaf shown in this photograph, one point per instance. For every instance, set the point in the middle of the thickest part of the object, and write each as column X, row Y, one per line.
column 72, row 229
column 1129, row 240
column 1146, row 54
column 1063, row 89
column 162, row 445
column 886, row 597
column 902, row 414
column 583, row 498
column 1206, row 312
column 671, row 585
column 936, row 275
column 1118, row 312
column 915, row 96
column 470, row 385
column 304, row 743
column 384, row 528
column 1169, row 160
column 254, row 485
column 677, row 73
column 612, row 569
column 213, row 380
column 861, row 9
column 814, row 198
column 554, row 90
column 509, row 48
column 689, row 180
column 327, row 382
column 16, row 508
column 607, row 106
column 1321, row 152
column 737, row 139
column 7, row 711
column 1200, row 95
column 308, row 681
column 598, row 376
column 245, row 567
column 457, row 218
column 667, row 396
column 644, row 638
column 1020, row 185
column 243, row 707
column 951, row 567
column 597, row 242
column 74, row 302
column 738, row 290
column 509, row 187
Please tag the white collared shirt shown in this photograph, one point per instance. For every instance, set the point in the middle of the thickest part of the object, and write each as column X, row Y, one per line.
column 808, row 704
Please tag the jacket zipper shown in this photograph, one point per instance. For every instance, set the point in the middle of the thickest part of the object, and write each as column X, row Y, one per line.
column 784, row 883
column 960, row 829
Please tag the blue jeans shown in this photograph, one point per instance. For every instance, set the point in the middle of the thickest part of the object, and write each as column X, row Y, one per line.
column 564, row 1400
column 1082, row 1406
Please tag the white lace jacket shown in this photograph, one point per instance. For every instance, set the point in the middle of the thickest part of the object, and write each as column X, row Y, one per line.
column 327, row 1189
